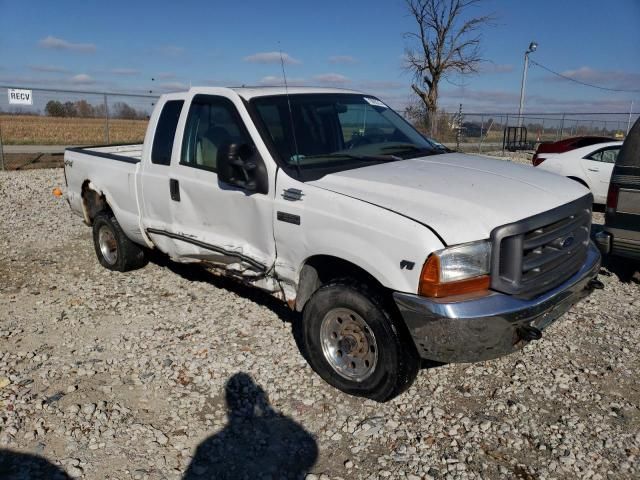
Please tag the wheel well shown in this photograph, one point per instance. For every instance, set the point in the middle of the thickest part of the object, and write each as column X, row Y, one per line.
column 322, row 269
column 92, row 202
column 579, row 180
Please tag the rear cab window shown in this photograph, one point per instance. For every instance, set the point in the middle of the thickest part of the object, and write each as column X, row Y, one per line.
column 165, row 132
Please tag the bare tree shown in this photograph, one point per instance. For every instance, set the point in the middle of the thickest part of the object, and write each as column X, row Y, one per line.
column 84, row 109
column 445, row 44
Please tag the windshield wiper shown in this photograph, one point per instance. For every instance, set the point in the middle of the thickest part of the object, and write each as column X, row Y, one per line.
column 366, row 158
column 409, row 148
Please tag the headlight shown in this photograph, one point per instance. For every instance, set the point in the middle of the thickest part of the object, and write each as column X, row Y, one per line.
column 456, row 270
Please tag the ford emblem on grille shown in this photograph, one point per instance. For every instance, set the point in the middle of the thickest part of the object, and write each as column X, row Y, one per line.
column 567, row 242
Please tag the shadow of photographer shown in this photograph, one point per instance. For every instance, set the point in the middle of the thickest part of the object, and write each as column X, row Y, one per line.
column 257, row 442
column 24, row 466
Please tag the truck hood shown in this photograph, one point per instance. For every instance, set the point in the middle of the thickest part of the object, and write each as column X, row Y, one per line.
column 461, row 197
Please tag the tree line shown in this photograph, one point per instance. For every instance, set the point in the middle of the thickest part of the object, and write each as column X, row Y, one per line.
column 83, row 109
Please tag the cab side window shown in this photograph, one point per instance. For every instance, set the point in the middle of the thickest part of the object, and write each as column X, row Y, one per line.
column 166, row 132
column 212, row 126
column 606, row 155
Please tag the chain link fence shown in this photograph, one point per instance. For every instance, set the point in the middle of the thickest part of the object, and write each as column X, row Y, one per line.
column 483, row 132
column 36, row 135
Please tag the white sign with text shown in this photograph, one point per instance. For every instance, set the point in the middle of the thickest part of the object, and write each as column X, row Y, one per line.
column 19, row 96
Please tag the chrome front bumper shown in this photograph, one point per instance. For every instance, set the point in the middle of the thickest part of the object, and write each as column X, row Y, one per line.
column 487, row 327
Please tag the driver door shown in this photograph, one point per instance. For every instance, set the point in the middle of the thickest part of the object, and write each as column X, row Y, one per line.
column 211, row 220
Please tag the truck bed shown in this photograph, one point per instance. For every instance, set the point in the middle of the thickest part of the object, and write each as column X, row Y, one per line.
column 131, row 153
column 110, row 171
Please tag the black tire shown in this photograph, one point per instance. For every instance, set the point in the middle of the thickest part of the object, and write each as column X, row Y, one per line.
column 397, row 362
column 124, row 255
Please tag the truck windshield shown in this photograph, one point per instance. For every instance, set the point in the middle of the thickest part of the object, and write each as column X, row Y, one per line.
column 337, row 131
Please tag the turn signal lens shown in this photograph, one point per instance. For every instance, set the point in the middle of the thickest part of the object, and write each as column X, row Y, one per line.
column 456, row 270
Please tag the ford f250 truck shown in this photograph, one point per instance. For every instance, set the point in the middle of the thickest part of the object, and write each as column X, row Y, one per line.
column 393, row 249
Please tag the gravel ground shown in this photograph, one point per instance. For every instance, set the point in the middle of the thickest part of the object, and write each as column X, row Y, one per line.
column 167, row 372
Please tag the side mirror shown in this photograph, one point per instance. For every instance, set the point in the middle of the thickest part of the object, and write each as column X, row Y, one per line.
column 240, row 165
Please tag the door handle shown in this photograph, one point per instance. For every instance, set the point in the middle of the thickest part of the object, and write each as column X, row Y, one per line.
column 593, row 169
column 174, row 189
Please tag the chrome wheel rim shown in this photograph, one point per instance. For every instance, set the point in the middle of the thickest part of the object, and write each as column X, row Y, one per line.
column 108, row 245
column 348, row 344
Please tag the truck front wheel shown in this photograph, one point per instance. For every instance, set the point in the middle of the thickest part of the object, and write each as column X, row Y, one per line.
column 355, row 344
column 114, row 249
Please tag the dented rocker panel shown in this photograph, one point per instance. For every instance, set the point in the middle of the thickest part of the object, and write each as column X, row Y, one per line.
column 258, row 266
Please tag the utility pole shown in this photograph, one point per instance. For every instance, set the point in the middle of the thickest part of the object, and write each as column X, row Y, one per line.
column 533, row 46
column 629, row 121
column 106, row 119
column 459, row 132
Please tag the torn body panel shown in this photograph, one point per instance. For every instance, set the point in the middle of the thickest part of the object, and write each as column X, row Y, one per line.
column 216, row 222
column 185, row 249
column 240, row 273
column 228, row 265
column 93, row 202
column 90, row 190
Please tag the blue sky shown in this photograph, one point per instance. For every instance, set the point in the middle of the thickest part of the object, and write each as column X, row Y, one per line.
column 120, row 46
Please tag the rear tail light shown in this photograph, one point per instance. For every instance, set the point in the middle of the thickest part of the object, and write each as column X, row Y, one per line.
column 536, row 160
column 612, row 197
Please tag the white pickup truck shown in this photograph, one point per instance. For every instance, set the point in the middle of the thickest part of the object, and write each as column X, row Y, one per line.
column 393, row 249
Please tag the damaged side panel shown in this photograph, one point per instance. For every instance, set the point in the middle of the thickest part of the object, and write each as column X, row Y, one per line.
column 93, row 202
column 245, row 270
column 114, row 186
column 226, row 228
column 190, row 215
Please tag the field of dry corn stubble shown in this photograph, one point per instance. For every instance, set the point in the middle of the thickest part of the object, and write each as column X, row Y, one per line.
column 44, row 130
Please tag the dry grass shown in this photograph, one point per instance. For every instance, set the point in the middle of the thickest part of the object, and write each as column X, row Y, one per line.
column 40, row 130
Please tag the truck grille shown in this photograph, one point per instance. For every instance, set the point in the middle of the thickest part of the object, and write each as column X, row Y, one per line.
column 540, row 252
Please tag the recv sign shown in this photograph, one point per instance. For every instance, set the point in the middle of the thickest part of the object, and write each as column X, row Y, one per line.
column 18, row 96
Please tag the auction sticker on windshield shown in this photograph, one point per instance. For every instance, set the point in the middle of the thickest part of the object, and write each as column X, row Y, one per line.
column 375, row 102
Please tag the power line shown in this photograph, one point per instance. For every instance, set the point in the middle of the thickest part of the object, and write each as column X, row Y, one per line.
column 583, row 83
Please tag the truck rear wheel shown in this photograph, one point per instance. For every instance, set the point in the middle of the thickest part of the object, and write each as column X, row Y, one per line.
column 114, row 249
column 355, row 344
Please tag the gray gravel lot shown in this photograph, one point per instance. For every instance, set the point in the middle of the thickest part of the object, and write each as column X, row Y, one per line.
column 167, row 372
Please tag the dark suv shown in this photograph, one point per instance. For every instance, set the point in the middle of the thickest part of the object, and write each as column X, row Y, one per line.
column 621, row 234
